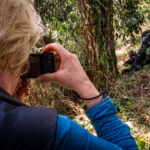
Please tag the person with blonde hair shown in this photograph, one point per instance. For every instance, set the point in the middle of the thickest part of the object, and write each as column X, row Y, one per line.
column 24, row 127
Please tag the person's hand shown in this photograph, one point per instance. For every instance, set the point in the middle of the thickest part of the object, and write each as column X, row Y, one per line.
column 69, row 72
column 21, row 90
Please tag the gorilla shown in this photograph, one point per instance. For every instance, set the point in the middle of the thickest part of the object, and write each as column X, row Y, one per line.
column 137, row 60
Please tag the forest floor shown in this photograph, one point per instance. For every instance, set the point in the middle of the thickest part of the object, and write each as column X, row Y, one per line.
column 132, row 96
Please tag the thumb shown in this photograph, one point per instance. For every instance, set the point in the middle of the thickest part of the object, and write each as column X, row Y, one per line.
column 50, row 77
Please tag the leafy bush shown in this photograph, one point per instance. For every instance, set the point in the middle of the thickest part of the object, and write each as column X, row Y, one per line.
column 142, row 145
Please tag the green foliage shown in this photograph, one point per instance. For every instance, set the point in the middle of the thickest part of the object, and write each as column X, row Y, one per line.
column 57, row 9
column 128, row 16
column 142, row 145
column 148, row 55
column 61, row 20
column 118, row 105
column 148, row 52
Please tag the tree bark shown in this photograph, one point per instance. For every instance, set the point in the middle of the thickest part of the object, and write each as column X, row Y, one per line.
column 97, row 16
column 89, row 37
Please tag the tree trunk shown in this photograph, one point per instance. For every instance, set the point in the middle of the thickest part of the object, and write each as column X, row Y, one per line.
column 89, row 37
column 97, row 16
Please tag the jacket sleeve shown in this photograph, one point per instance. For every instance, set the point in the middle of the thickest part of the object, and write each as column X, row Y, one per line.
column 112, row 133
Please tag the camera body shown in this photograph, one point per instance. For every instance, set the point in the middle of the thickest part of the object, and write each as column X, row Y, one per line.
column 40, row 64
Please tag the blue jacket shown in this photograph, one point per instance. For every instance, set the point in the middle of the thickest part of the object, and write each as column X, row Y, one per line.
column 112, row 133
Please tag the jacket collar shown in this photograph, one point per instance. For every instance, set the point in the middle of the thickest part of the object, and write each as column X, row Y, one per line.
column 5, row 96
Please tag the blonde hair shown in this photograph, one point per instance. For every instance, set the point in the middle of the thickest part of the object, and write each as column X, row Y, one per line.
column 20, row 30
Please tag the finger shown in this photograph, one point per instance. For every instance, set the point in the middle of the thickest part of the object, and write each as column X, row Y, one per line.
column 57, row 48
column 57, row 66
column 51, row 77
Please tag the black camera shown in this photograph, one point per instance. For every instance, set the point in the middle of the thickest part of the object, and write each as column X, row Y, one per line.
column 40, row 64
